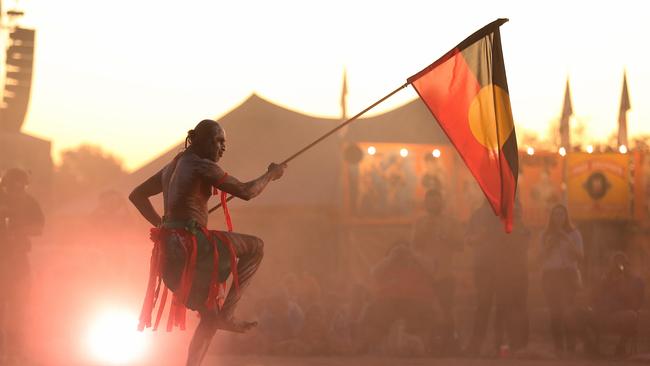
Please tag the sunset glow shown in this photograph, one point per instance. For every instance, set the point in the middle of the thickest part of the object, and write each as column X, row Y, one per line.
column 133, row 76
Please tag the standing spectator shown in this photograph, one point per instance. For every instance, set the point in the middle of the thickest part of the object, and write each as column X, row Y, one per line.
column 561, row 251
column 485, row 232
column 21, row 218
column 436, row 238
column 615, row 304
column 511, row 319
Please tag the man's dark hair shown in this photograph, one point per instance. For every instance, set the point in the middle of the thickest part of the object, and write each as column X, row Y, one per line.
column 202, row 129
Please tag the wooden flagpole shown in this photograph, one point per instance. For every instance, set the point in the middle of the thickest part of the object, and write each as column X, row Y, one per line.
column 328, row 134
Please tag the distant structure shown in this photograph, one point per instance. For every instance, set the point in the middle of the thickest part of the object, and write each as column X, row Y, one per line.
column 18, row 149
column 344, row 96
column 622, row 116
column 567, row 112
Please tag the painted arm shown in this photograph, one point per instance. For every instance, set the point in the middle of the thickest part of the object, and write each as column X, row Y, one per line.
column 252, row 189
column 140, row 198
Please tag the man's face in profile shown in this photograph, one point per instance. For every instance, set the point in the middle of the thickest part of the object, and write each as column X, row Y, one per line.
column 214, row 146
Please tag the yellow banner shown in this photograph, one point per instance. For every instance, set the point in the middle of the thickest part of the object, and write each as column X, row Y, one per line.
column 599, row 186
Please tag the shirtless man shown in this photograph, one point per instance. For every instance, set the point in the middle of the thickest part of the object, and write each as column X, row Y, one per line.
column 187, row 183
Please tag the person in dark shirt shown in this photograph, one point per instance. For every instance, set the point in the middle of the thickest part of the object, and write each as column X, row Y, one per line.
column 484, row 235
column 615, row 304
column 436, row 239
column 21, row 217
column 560, row 254
column 511, row 319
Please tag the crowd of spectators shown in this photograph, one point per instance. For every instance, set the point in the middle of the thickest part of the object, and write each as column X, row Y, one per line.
column 408, row 307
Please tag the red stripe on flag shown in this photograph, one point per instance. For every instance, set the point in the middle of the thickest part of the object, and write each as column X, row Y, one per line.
column 448, row 91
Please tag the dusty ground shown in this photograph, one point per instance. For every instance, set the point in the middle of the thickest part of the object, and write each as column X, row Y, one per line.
column 372, row 361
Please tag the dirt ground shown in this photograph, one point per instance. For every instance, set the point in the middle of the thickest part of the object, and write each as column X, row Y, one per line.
column 375, row 361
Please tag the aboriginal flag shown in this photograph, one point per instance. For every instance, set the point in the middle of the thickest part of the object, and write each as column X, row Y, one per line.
column 467, row 92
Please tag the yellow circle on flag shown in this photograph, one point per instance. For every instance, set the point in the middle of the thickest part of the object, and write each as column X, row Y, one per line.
column 489, row 110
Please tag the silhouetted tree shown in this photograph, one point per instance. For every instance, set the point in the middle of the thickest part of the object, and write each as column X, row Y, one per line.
column 83, row 169
column 641, row 142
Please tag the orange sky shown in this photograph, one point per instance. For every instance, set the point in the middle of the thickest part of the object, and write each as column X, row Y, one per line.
column 134, row 76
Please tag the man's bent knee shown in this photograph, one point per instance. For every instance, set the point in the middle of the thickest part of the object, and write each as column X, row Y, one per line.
column 258, row 244
column 251, row 247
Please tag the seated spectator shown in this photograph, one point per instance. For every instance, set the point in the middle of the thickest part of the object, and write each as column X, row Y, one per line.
column 615, row 304
column 341, row 329
column 347, row 309
column 281, row 318
column 399, row 342
column 314, row 335
column 303, row 288
column 403, row 294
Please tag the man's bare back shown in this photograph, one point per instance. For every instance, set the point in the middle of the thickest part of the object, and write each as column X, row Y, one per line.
column 187, row 186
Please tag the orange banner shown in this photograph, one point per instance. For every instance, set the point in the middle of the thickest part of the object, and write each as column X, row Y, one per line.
column 390, row 180
column 384, row 186
column 642, row 187
column 540, row 186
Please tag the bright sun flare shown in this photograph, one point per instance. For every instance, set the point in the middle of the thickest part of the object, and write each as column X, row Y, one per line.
column 113, row 338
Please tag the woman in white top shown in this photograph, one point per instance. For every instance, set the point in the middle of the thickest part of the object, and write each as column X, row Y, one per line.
column 561, row 251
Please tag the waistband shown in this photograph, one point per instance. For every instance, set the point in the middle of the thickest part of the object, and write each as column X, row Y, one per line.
column 190, row 225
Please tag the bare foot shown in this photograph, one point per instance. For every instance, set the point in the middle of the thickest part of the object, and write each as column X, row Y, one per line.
column 234, row 325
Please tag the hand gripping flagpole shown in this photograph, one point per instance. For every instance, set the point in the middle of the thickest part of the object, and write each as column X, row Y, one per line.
column 328, row 134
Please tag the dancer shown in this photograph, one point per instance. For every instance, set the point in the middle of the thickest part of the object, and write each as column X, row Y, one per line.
column 191, row 260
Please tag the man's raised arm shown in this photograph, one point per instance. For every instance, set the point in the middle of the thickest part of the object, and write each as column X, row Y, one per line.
column 249, row 190
column 140, row 198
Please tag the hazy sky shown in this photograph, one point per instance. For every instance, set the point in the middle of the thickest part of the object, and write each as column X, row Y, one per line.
column 134, row 76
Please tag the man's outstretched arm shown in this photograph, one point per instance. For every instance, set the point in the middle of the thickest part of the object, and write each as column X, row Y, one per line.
column 249, row 190
column 140, row 198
